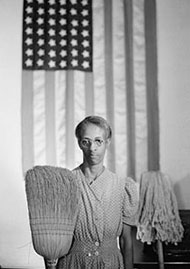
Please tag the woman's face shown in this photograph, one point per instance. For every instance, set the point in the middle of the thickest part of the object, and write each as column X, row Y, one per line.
column 93, row 143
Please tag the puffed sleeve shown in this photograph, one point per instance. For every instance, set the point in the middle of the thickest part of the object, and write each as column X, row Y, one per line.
column 130, row 201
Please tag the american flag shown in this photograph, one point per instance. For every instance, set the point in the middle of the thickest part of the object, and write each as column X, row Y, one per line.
column 90, row 57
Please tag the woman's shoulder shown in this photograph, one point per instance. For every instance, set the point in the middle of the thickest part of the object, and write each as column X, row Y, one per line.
column 130, row 201
column 130, row 185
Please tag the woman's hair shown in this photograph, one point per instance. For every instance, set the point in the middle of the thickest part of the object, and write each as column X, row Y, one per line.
column 96, row 120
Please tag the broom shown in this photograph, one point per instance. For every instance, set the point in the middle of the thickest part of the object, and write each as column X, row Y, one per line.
column 52, row 197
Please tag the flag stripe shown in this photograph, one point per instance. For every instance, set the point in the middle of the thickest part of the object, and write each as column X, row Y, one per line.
column 50, row 117
column 98, row 59
column 109, row 77
column 79, row 109
column 27, row 120
column 119, row 88
column 39, row 115
column 152, row 85
column 130, row 105
column 60, row 116
column 89, row 93
column 70, row 149
column 139, row 62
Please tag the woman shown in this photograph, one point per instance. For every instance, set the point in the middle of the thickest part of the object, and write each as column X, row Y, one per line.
column 106, row 207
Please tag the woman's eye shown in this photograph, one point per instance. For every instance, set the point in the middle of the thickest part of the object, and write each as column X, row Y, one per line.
column 98, row 142
column 84, row 142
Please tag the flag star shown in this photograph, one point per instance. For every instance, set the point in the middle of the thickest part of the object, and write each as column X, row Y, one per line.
column 28, row 31
column 84, row 12
column 62, row 21
column 40, row 42
column 85, row 53
column 62, row 11
column 40, row 1
column 41, row 52
column 63, row 63
column 74, row 62
column 74, row 52
column 73, row 2
column 62, row 32
column 40, row 20
column 63, row 42
column 28, row 41
column 51, row 11
column 40, row 31
column 29, row 9
column 51, row 22
column 52, row 53
column 85, row 43
column 40, row 62
column 29, row 52
column 73, row 11
column 74, row 23
column 28, row 20
column 40, row 11
column 28, row 62
column 85, row 64
column 85, row 33
column 52, row 2
column 63, row 53
column 62, row 2
column 52, row 42
column 51, row 63
column 51, row 32
column 84, row 2
column 73, row 31
column 85, row 23
column 74, row 42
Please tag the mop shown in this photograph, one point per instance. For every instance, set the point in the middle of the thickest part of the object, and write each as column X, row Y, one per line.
column 158, row 215
column 52, row 197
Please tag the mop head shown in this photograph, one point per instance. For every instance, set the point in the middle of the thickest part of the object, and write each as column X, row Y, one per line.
column 158, row 216
column 52, row 197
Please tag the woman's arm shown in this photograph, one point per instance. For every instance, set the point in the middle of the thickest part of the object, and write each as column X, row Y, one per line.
column 126, row 246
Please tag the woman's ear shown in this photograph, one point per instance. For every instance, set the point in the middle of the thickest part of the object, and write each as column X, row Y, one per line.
column 108, row 141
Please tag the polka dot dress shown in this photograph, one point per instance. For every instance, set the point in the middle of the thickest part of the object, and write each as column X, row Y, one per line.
column 104, row 206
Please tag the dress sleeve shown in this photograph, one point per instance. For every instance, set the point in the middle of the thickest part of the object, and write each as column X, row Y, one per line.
column 130, row 201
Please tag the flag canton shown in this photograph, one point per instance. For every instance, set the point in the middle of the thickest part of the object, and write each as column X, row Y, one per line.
column 57, row 34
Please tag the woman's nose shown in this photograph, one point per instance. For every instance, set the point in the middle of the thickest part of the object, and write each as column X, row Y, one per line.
column 93, row 146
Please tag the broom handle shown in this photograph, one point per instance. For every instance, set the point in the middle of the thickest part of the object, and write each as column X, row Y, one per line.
column 50, row 264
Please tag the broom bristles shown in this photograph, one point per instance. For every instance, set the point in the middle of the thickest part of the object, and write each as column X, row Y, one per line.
column 51, row 192
column 52, row 197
